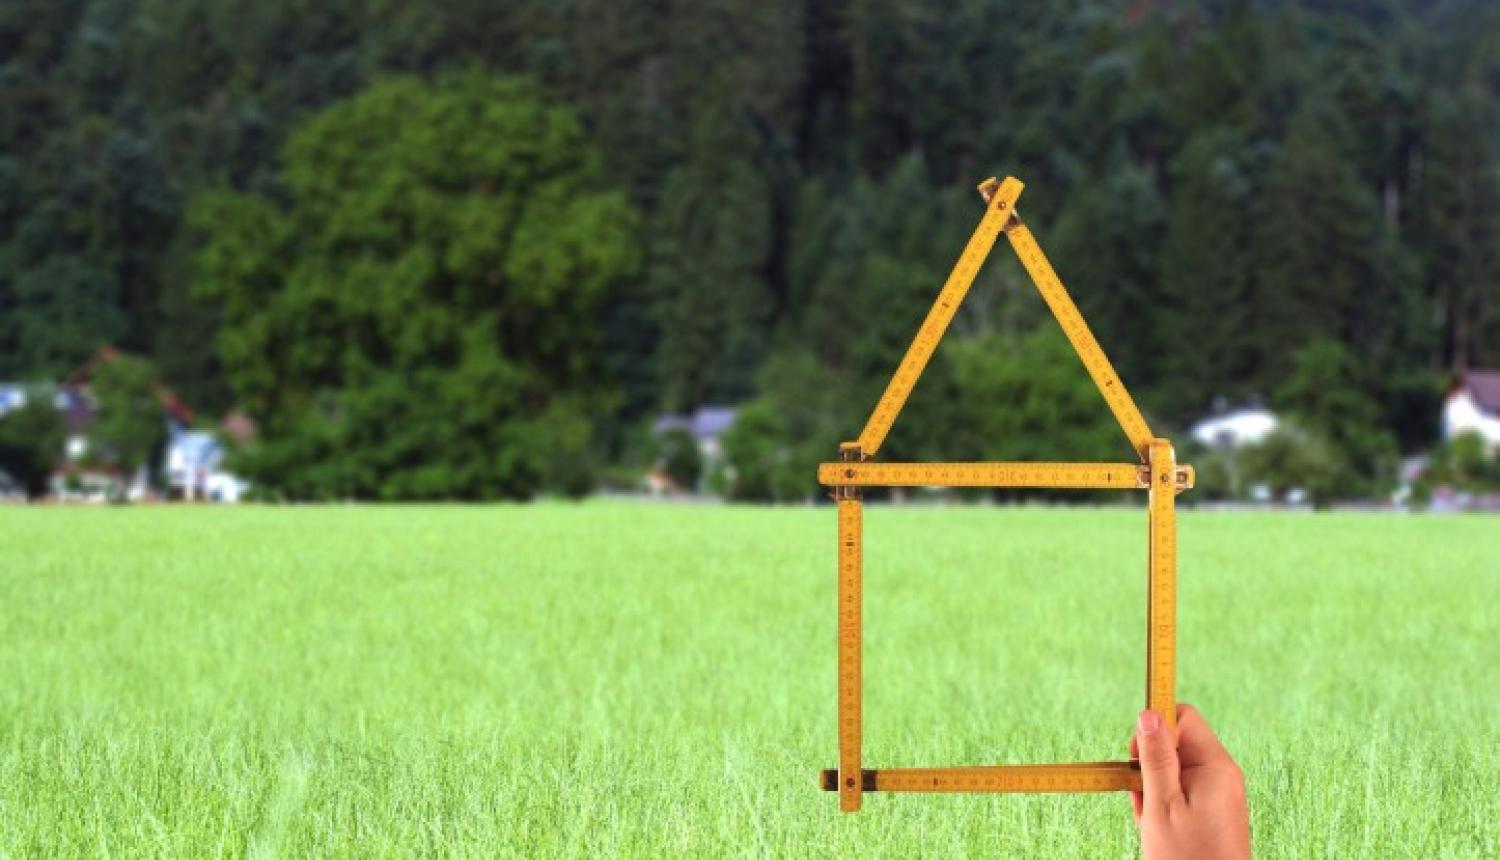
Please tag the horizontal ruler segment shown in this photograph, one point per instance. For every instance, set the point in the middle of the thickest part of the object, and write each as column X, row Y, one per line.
column 1084, row 476
column 1090, row 776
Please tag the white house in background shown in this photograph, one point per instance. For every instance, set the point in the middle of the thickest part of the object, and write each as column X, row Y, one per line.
column 194, row 469
column 1473, row 406
column 12, row 396
column 1235, row 428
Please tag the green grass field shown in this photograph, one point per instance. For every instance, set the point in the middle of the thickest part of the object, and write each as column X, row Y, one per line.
column 658, row 680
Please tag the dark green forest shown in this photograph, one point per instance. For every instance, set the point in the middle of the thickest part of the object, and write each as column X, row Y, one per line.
column 471, row 249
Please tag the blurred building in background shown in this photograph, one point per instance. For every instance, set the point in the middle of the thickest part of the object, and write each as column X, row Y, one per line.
column 194, row 470
column 191, row 462
column 703, row 430
column 1235, row 428
column 1473, row 406
column 706, row 424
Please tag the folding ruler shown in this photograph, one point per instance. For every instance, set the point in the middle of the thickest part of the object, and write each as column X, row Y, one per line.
column 1157, row 472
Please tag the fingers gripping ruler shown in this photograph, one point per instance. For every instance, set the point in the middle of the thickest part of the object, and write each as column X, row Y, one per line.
column 1156, row 472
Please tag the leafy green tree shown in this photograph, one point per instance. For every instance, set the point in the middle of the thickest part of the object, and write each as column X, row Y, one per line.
column 1294, row 458
column 759, row 454
column 778, row 439
column 1218, row 474
column 680, row 458
column 1032, row 400
column 31, row 441
column 130, row 429
column 1323, row 393
column 570, row 467
column 1463, row 463
column 416, row 320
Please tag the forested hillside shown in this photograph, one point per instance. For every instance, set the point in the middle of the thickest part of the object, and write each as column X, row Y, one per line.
column 1294, row 201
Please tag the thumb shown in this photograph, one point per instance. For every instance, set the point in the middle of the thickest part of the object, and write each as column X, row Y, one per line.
column 1159, row 766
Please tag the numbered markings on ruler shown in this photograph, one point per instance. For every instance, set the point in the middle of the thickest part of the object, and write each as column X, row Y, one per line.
column 1078, row 334
column 1101, row 476
column 1161, row 587
column 1091, row 776
column 850, row 691
column 1001, row 204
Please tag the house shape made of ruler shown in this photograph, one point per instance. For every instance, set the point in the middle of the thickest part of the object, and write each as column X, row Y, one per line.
column 1156, row 472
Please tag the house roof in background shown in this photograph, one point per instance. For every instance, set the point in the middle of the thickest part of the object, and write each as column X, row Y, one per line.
column 168, row 398
column 706, row 422
column 78, row 410
column 1484, row 387
column 198, row 448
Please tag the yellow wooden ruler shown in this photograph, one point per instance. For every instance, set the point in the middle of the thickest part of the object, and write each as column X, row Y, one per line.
column 850, row 596
column 1094, row 360
column 1161, row 585
column 1091, row 776
column 1077, row 476
column 996, row 215
column 1157, row 473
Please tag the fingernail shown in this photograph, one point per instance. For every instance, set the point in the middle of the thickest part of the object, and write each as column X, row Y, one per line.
column 1148, row 722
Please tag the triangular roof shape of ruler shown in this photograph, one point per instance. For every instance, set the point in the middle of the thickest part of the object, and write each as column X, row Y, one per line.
column 1156, row 472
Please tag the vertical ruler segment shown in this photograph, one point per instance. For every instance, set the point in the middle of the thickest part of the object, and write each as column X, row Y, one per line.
column 999, row 209
column 1088, row 349
column 1161, row 584
column 849, row 597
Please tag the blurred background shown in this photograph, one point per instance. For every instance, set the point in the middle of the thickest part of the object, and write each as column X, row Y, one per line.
column 403, row 251
column 383, row 251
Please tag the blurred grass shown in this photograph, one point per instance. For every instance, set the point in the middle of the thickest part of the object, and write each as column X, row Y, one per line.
column 658, row 680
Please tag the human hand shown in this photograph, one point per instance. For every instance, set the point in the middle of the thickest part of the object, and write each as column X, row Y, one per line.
column 1193, row 800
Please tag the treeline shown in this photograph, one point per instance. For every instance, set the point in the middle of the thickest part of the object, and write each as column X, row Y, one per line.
column 469, row 250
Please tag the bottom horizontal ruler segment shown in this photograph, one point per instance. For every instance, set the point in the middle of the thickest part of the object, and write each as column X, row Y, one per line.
column 1088, row 776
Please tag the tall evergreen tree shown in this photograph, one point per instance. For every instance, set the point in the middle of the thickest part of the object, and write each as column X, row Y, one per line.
column 710, row 241
column 1203, row 305
column 1318, row 249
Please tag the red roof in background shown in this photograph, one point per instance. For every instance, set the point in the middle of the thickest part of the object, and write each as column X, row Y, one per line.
column 172, row 404
column 164, row 395
column 1484, row 387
